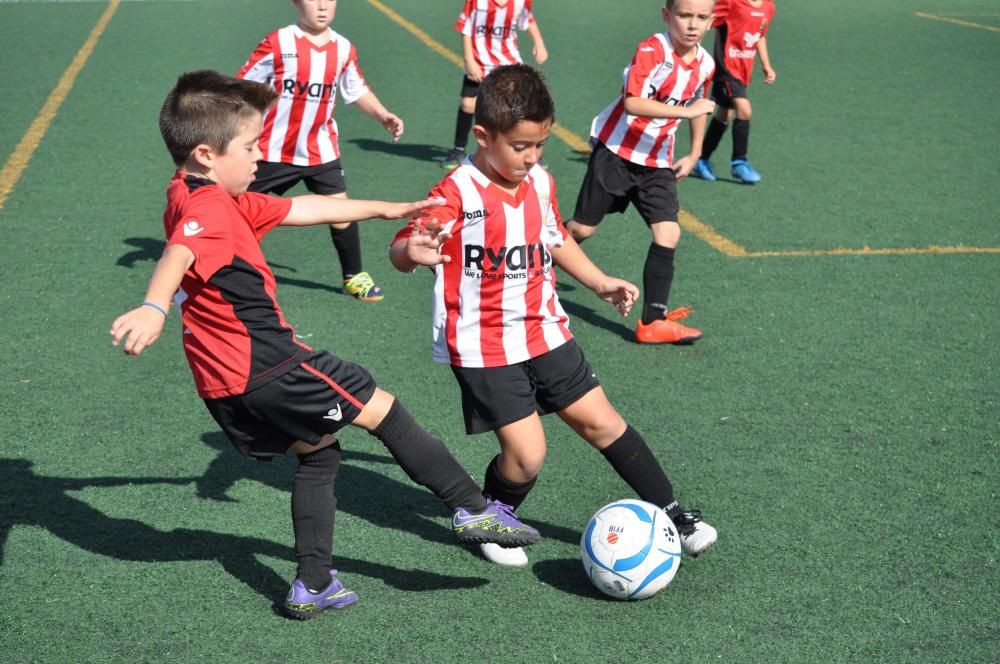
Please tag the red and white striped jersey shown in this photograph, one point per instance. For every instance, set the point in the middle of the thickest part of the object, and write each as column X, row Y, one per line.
column 299, row 127
column 495, row 302
column 656, row 72
column 492, row 28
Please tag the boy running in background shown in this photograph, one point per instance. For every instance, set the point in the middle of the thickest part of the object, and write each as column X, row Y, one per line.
column 497, row 318
column 307, row 63
column 740, row 34
column 633, row 157
column 489, row 39
column 268, row 392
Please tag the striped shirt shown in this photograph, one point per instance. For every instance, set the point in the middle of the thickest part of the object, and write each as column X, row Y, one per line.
column 492, row 28
column 299, row 128
column 495, row 302
column 656, row 72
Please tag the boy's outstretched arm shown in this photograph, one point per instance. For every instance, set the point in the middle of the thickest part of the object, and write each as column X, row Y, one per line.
column 312, row 210
column 570, row 258
column 370, row 105
column 142, row 326
column 650, row 108
column 421, row 247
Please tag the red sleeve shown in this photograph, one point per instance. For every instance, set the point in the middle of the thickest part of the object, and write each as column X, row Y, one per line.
column 260, row 65
column 648, row 56
column 771, row 8
column 464, row 22
column 206, row 229
column 450, row 211
column 721, row 12
column 264, row 211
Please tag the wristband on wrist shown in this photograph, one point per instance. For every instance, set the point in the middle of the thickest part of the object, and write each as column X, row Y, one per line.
column 147, row 303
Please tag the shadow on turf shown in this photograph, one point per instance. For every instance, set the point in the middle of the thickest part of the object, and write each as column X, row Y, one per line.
column 592, row 317
column 418, row 151
column 566, row 574
column 37, row 500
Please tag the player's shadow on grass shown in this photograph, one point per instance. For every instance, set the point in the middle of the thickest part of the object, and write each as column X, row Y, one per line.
column 566, row 574
column 27, row 498
column 612, row 324
column 418, row 151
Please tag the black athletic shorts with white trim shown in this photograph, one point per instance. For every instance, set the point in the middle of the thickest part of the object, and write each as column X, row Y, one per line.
column 322, row 395
column 493, row 397
column 277, row 178
column 611, row 183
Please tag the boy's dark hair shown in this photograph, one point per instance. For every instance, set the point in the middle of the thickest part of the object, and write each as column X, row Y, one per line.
column 208, row 107
column 512, row 94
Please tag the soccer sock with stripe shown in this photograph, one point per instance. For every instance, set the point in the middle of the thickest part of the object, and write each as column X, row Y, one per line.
column 427, row 461
column 498, row 487
column 313, row 508
column 463, row 125
column 657, row 277
column 634, row 462
column 716, row 130
column 741, row 139
column 347, row 242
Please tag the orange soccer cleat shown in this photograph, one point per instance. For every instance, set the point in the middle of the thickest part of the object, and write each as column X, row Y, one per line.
column 667, row 330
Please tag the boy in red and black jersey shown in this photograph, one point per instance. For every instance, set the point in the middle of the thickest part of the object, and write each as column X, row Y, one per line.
column 740, row 34
column 268, row 392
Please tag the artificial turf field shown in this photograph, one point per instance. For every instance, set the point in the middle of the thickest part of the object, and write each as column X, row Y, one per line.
column 839, row 423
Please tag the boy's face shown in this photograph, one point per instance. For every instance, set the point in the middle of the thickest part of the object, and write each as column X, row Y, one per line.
column 315, row 15
column 510, row 155
column 687, row 21
column 234, row 170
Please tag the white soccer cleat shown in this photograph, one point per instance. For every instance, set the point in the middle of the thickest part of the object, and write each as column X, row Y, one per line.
column 696, row 535
column 514, row 557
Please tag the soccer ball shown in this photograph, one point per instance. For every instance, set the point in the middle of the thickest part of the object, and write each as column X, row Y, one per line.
column 630, row 550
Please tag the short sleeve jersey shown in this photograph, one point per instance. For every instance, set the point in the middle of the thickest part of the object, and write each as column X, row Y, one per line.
column 235, row 336
column 495, row 302
column 656, row 72
column 745, row 26
column 299, row 128
column 491, row 25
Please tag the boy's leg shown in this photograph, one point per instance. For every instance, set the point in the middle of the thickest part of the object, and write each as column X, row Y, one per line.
column 463, row 123
column 313, row 508
column 601, row 192
column 741, row 168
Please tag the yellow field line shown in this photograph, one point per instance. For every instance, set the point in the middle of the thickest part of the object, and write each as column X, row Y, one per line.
column 688, row 221
column 968, row 24
column 19, row 159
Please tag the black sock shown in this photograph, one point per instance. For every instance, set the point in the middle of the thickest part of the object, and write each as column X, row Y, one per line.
column 498, row 487
column 741, row 139
column 716, row 130
column 313, row 509
column 634, row 462
column 427, row 461
column 657, row 277
column 463, row 125
column 347, row 242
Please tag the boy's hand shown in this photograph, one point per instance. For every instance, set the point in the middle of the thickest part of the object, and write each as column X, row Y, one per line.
column 424, row 244
column 142, row 326
column 770, row 76
column 618, row 292
column 406, row 210
column 393, row 124
column 540, row 53
column 473, row 70
column 700, row 107
column 683, row 166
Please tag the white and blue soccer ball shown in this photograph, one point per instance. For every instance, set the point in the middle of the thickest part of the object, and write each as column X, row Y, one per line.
column 630, row 549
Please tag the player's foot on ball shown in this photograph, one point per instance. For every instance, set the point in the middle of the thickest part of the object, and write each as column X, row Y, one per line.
column 303, row 603
column 496, row 524
column 696, row 535
column 363, row 287
column 744, row 172
column 667, row 330
column 703, row 170
column 515, row 557
column 453, row 159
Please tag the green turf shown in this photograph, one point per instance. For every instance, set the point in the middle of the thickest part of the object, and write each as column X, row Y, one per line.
column 838, row 423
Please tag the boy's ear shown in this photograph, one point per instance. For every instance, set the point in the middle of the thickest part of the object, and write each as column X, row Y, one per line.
column 204, row 155
column 482, row 135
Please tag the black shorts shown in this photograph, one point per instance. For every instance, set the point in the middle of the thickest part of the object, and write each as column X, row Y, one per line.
column 277, row 178
column 320, row 396
column 469, row 87
column 725, row 86
column 611, row 183
column 493, row 397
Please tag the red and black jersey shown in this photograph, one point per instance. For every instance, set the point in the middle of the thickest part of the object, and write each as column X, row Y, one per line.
column 235, row 336
column 740, row 26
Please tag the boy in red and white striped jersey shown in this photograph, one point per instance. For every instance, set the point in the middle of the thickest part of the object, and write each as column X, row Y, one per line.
column 307, row 63
column 489, row 40
column 740, row 34
column 493, row 245
column 633, row 159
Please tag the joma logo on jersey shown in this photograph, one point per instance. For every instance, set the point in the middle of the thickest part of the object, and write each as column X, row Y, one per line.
column 311, row 90
column 475, row 215
column 520, row 257
column 500, row 31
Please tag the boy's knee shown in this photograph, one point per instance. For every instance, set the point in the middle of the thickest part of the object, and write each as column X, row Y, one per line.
column 522, row 465
column 469, row 104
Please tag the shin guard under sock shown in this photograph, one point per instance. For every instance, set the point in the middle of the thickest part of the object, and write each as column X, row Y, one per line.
column 463, row 125
column 657, row 277
column 313, row 508
column 498, row 487
column 634, row 462
column 347, row 242
column 716, row 130
column 741, row 139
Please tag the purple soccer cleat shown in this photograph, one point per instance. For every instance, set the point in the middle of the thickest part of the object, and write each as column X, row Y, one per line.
column 497, row 524
column 304, row 604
